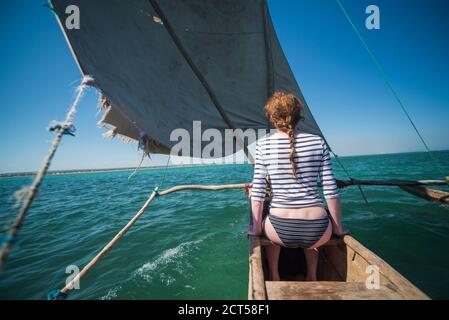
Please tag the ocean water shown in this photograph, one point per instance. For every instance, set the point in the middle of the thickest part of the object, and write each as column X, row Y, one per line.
column 191, row 244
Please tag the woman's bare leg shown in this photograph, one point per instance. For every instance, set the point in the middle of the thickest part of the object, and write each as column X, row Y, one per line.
column 312, row 263
column 273, row 251
column 325, row 238
column 334, row 206
column 312, row 254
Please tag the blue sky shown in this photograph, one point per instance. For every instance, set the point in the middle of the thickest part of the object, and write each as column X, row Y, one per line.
column 347, row 96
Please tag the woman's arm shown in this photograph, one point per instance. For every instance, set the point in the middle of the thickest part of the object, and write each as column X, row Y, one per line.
column 331, row 191
column 334, row 207
column 258, row 191
column 256, row 210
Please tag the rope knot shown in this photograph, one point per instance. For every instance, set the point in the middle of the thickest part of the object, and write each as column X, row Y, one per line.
column 88, row 81
column 56, row 295
column 66, row 129
column 7, row 240
column 156, row 191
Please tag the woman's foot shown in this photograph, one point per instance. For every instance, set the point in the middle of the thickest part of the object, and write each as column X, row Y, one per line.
column 311, row 277
column 275, row 276
column 273, row 252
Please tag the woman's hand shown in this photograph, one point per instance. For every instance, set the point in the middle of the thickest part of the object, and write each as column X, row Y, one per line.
column 251, row 231
column 343, row 231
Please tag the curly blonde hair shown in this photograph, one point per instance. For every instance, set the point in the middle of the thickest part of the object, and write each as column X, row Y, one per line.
column 284, row 111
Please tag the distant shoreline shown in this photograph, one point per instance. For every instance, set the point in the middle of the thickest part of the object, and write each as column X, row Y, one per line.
column 83, row 171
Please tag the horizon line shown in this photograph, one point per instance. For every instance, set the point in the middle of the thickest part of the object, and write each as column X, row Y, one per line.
column 97, row 170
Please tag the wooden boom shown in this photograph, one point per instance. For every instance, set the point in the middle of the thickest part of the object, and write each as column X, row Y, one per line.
column 417, row 188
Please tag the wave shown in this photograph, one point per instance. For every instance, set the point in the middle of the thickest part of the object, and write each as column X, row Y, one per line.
column 112, row 293
column 168, row 257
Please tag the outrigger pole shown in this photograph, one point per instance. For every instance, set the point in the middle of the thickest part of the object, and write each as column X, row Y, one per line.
column 62, row 294
column 417, row 188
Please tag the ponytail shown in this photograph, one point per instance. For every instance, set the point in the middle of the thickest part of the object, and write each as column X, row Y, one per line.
column 291, row 139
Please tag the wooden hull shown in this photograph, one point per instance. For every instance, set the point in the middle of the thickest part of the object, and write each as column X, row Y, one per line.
column 345, row 267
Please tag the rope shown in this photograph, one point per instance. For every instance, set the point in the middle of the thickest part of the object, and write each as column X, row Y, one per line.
column 165, row 171
column 389, row 85
column 56, row 295
column 365, row 199
column 8, row 239
column 64, row 128
column 138, row 166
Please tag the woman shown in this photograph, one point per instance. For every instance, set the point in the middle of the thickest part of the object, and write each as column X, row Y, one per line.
column 293, row 161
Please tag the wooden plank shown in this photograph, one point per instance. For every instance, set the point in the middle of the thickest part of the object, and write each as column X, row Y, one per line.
column 256, row 285
column 405, row 287
column 327, row 290
column 357, row 270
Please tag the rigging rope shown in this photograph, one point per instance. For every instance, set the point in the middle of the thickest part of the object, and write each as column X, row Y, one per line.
column 165, row 171
column 389, row 84
column 365, row 199
column 61, row 129
column 138, row 166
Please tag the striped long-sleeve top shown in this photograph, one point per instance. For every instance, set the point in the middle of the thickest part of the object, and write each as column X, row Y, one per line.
column 312, row 162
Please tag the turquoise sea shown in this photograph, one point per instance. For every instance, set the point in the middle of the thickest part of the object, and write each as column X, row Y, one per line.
column 191, row 245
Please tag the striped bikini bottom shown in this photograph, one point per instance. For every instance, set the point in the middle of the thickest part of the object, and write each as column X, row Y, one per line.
column 301, row 233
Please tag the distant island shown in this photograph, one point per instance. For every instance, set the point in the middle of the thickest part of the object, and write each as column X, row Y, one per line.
column 79, row 171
